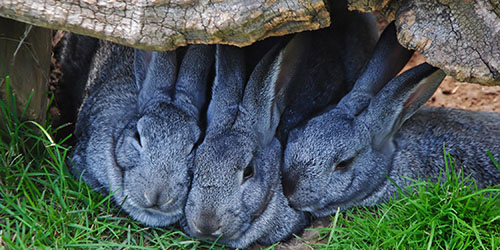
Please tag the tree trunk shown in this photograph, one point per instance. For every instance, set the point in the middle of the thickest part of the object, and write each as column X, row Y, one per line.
column 166, row 25
column 460, row 37
column 25, row 56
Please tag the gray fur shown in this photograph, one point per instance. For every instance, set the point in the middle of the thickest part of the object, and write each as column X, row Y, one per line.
column 243, row 118
column 138, row 125
column 74, row 55
column 332, row 59
column 240, row 134
column 342, row 157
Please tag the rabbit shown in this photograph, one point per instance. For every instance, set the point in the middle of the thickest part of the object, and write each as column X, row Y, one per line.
column 236, row 194
column 138, row 126
column 348, row 155
column 334, row 57
column 74, row 55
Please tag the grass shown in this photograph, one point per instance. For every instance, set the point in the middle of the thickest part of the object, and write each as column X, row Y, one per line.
column 453, row 214
column 43, row 206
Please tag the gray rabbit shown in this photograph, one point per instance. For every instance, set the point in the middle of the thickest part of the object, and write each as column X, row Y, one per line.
column 138, row 125
column 74, row 55
column 236, row 194
column 333, row 58
column 236, row 190
column 343, row 157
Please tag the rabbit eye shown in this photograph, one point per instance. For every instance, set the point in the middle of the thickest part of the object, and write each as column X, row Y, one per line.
column 344, row 165
column 137, row 137
column 248, row 173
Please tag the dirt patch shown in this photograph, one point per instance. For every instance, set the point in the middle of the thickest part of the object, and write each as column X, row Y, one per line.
column 461, row 95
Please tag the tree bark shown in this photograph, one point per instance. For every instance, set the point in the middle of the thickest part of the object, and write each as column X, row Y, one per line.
column 460, row 37
column 168, row 24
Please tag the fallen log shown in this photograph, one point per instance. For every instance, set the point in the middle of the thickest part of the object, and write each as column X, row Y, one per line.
column 168, row 24
column 460, row 37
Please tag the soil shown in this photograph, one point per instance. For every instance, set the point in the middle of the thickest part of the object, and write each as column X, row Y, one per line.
column 461, row 95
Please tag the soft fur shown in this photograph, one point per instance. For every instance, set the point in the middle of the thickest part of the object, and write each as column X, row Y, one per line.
column 344, row 157
column 240, row 134
column 74, row 56
column 138, row 125
column 243, row 118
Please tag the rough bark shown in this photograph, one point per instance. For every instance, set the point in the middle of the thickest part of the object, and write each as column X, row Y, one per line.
column 167, row 24
column 460, row 37
column 25, row 57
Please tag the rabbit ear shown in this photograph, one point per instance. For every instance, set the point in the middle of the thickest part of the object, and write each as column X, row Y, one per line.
column 388, row 58
column 157, row 71
column 142, row 59
column 264, row 98
column 399, row 100
column 190, row 90
column 227, row 89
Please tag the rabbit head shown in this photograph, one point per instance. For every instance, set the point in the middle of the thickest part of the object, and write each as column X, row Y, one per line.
column 147, row 165
column 342, row 156
column 236, row 194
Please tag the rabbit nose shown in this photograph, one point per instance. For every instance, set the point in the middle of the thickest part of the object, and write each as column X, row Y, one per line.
column 157, row 198
column 207, row 226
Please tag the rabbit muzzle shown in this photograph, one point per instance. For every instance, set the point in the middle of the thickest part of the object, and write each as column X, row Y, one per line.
column 152, row 202
column 207, row 224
